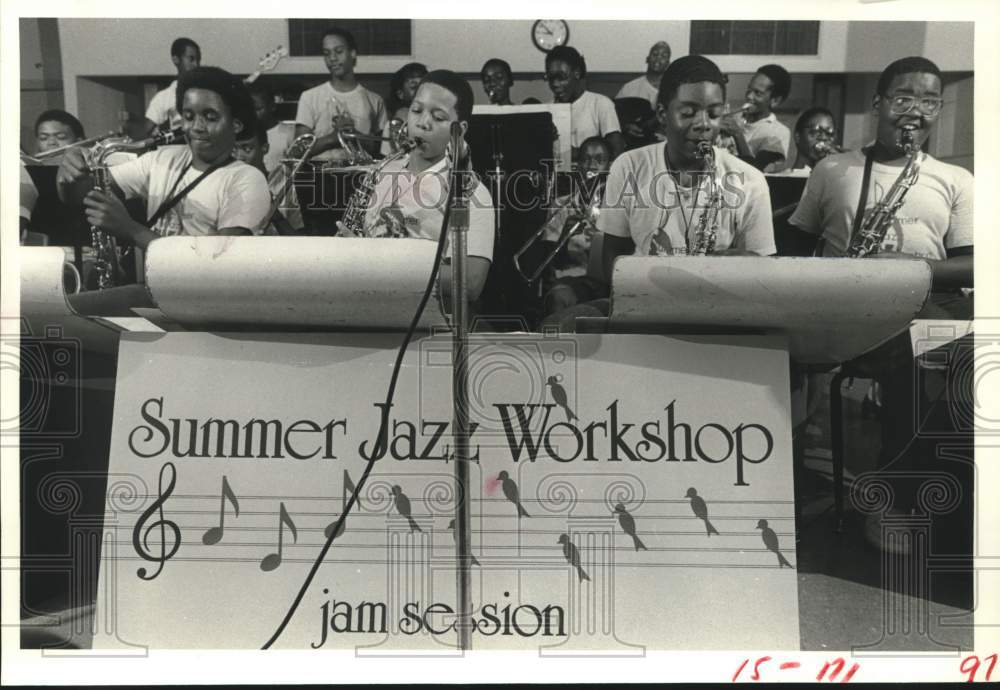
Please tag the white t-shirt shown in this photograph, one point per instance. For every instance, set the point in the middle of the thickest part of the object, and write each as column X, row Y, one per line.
column 768, row 134
column 640, row 88
column 232, row 196
column 641, row 200
column 279, row 138
column 412, row 205
column 592, row 115
column 163, row 107
column 936, row 214
column 320, row 104
column 28, row 195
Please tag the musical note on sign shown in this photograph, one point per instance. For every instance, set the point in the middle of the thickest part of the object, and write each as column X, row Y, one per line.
column 141, row 543
column 214, row 535
column 347, row 489
column 273, row 560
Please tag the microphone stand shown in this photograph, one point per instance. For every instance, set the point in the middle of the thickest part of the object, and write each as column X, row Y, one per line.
column 497, row 143
column 460, row 388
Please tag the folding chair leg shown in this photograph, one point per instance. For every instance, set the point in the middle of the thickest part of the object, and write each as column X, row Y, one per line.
column 837, row 446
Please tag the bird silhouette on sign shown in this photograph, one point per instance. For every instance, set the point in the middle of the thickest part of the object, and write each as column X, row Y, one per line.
column 771, row 542
column 559, row 395
column 509, row 487
column 627, row 522
column 402, row 504
column 572, row 555
column 700, row 509
column 454, row 534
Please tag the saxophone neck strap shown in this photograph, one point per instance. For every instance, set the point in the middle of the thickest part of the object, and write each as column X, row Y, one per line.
column 173, row 199
column 859, row 214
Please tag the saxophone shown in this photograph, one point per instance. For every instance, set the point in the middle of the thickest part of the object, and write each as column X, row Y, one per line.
column 105, row 247
column 875, row 225
column 357, row 206
column 708, row 221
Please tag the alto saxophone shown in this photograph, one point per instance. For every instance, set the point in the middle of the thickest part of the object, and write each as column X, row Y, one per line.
column 875, row 225
column 105, row 247
column 357, row 206
column 707, row 229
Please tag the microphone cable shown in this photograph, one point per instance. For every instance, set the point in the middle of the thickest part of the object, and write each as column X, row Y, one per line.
column 381, row 445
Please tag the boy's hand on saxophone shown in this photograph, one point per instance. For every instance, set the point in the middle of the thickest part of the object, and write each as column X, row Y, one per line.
column 344, row 231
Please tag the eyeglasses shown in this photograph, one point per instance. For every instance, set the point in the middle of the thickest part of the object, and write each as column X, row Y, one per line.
column 564, row 76
column 816, row 131
column 930, row 106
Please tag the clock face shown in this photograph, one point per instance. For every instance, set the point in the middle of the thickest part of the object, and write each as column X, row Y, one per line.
column 549, row 33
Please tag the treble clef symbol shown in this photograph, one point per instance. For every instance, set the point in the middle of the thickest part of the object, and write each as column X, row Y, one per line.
column 141, row 544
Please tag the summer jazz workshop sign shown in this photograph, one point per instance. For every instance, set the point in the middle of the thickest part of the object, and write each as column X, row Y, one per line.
column 628, row 492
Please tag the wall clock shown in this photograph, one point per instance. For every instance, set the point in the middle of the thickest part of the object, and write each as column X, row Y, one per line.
column 549, row 33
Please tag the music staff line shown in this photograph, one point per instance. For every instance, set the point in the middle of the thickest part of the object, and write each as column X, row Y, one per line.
column 506, row 565
column 535, row 501
column 522, row 532
column 485, row 516
column 491, row 547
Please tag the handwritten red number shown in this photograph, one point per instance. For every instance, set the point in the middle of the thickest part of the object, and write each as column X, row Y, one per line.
column 971, row 670
column 756, row 667
column 740, row 669
column 839, row 666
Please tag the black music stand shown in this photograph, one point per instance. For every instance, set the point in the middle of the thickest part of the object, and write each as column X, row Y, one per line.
column 785, row 190
column 323, row 195
column 519, row 147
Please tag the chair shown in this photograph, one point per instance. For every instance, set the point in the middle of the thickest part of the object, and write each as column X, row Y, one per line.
column 634, row 111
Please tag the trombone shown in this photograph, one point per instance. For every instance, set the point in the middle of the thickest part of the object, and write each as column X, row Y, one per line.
column 586, row 206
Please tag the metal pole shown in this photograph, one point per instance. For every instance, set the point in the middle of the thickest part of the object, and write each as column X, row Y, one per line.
column 460, row 387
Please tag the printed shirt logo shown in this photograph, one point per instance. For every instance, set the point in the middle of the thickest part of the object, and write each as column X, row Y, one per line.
column 392, row 222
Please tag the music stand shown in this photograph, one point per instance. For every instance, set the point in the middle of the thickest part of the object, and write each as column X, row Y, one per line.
column 518, row 146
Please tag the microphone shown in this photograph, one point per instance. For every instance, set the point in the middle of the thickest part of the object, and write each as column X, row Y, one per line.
column 460, row 169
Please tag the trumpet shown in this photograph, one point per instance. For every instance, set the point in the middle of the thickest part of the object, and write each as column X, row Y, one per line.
column 825, row 148
column 282, row 178
column 41, row 158
column 352, row 141
column 585, row 206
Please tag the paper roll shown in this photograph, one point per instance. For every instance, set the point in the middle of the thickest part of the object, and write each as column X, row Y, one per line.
column 336, row 282
column 832, row 309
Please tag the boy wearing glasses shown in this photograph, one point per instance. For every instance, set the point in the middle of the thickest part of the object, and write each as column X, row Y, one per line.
column 815, row 139
column 934, row 225
column 935, row 221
